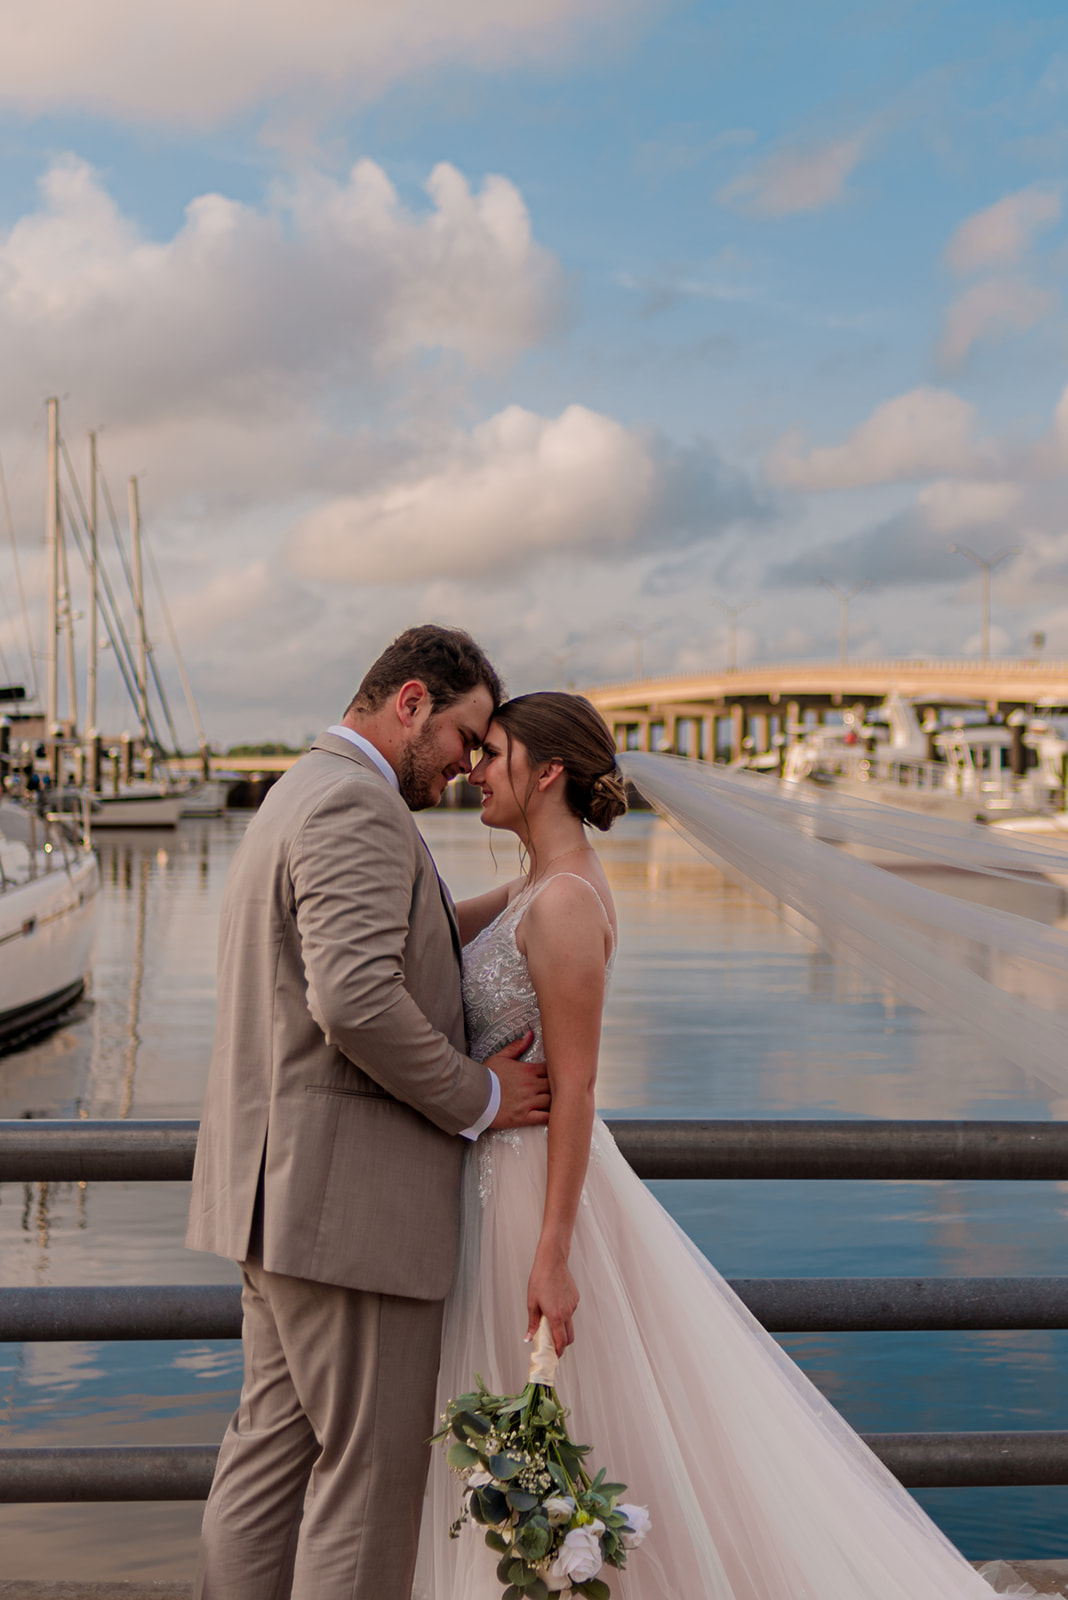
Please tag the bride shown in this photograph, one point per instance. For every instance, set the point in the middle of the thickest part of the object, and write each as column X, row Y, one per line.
column 758, row 1490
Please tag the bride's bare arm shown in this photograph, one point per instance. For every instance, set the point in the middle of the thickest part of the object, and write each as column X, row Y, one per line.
column 565, row 938
column 474, row 915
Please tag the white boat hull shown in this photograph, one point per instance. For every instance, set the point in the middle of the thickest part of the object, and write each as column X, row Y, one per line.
column 46, row 938
column 137, row 811
column 206, row 799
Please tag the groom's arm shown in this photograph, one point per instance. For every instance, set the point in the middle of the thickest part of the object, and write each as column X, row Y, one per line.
column 353, row 869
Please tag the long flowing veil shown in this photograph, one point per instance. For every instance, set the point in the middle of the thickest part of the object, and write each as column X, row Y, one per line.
column 845, row 871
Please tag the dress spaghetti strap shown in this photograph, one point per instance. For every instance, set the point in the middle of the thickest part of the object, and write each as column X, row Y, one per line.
column 578, row 879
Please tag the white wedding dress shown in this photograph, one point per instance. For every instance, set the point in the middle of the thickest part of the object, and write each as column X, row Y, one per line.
column 757, row 1488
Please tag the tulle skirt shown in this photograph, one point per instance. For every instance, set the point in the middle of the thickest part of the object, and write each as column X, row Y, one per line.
column 758, row 1490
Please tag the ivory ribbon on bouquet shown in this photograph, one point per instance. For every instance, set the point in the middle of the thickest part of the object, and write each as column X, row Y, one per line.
column 543, row 1357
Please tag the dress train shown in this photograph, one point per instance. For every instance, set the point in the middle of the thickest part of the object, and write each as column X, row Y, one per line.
column 757, row 1488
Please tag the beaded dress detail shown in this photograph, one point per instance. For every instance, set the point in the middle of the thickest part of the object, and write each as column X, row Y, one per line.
column 758, row 1489
column 499, row 998
column 500, row 1004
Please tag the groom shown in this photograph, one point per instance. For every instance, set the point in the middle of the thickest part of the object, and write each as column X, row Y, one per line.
column 328, row 1162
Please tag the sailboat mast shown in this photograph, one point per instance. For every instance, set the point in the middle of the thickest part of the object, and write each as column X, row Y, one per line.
column 91, row 730
column 66, row 620
column 52, row 641
column 139, row 605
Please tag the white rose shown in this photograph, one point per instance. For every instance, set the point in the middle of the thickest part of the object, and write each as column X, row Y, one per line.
column 638, row 1525
column 559, row 1508
column 479, row 1478
column 579, row 1558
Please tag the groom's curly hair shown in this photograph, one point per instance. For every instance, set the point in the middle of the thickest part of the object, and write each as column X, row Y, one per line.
column 447, row 660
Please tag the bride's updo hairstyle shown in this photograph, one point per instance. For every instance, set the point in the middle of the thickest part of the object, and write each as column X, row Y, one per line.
column 552, row 726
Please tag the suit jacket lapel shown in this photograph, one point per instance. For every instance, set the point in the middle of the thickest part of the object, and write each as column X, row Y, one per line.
column 352, row 752
column 446, row 900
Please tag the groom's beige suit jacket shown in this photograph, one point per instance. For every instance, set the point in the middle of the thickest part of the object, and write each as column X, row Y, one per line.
column 338, row 1068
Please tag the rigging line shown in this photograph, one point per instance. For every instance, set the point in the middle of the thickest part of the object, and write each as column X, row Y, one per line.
column 117, row 633
column 111, row 631
column 18, row 579
column 67, row 600
column 187, row 687
column 105, row 580
column 4, row 667
column 115, row 529
column 130, row 584
column 72, row 475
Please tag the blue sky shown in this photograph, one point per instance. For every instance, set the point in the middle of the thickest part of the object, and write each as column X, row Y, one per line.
column 703, row 301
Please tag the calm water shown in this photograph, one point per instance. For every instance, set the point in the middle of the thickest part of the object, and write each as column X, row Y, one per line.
column 717, row 1009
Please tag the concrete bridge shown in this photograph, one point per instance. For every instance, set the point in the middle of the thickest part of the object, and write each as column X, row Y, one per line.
column 777, row 698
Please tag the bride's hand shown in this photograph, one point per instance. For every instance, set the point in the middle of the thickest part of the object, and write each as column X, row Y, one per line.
column 552, row 1293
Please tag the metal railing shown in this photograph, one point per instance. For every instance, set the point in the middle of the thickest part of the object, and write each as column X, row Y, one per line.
column 41, row 1151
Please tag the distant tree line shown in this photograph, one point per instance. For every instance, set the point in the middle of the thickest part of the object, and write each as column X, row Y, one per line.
column 263, row 750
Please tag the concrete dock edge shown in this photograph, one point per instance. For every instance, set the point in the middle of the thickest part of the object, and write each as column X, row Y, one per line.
column 1045, row 1578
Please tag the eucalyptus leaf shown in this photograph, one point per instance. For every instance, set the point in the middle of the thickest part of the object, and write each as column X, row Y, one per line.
column 534, row 1540
column 461, row 1455
column 594, row 1589
column 522, row 1500
column 505, row 1467
column 494, row 1504
column 495, row 1542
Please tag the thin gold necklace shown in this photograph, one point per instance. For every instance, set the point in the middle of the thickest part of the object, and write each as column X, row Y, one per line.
column 576, row 849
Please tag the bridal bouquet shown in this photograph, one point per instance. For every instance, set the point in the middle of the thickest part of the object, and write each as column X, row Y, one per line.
column 553, row 1527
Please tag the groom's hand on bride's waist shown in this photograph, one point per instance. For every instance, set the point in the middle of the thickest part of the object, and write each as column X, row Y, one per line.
column 524, row 1086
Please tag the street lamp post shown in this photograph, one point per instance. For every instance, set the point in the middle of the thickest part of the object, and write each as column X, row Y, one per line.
column 639, row 635
column 986, row 566
column 733, row 613
column 844, row 597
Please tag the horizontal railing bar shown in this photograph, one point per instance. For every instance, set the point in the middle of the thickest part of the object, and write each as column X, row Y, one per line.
column 973, row 1460
column 869, row 1305
column 843, row 1148
column 120, row 1311
column 184, row 1472
column 73, row 1152
column 106, row 1472
column 783, row 1305
column 36, row 1150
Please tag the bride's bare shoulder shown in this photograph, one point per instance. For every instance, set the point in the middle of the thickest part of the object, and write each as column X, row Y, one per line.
column 567, row 905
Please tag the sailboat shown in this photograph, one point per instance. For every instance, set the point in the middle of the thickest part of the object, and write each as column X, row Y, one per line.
column 132, row 802
column 49, row 878
column 48, row 899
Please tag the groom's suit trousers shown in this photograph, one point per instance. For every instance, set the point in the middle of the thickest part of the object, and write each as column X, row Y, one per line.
column 318, row 1491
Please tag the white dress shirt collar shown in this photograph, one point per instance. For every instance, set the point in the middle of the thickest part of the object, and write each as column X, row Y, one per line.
column 368, row 749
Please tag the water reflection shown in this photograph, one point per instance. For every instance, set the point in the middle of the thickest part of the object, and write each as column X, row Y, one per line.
column 718, row 1008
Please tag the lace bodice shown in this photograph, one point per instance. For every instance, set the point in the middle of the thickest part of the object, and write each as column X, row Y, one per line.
column 499, row 998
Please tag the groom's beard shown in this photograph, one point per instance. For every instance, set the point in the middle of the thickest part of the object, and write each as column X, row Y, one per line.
column 420, row 769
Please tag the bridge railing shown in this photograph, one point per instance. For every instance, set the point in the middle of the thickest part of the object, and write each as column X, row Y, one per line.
column 905, row 666
column 41, row 1151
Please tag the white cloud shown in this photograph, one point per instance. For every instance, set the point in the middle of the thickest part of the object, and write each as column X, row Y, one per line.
column 198, row 62
column 952, row 505
column 796, row 178
column 994, row 306
column 520, row 487
column 332, row 282
column 999, row 235
column 926, row 433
